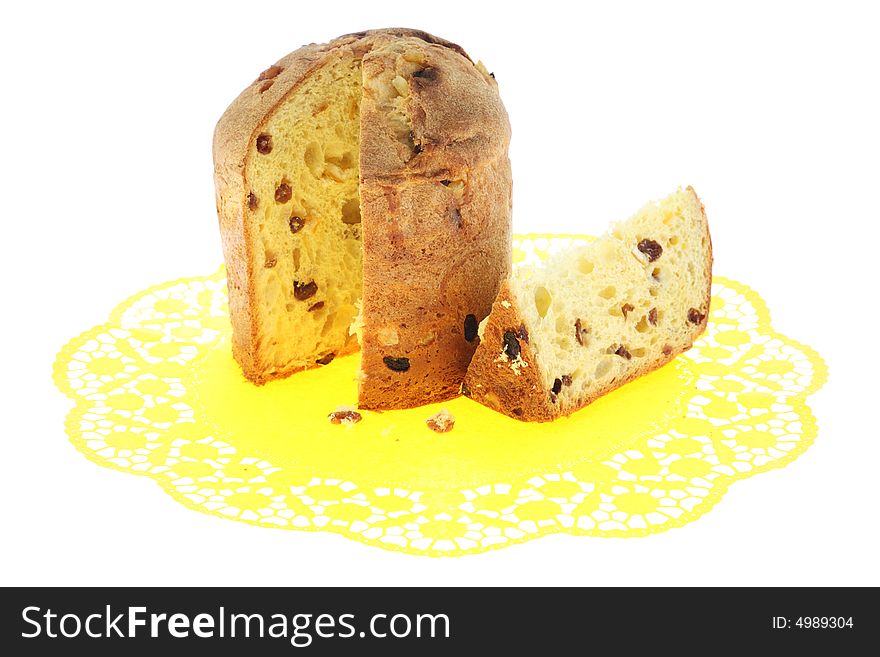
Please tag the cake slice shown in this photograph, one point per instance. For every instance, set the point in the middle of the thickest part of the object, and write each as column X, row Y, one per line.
column 597, row 316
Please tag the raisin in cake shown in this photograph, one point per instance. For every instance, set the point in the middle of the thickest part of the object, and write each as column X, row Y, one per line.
column 597, row 316
column 363, row 187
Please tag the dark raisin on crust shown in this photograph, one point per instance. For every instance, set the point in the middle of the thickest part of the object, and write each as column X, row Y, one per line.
column 283, row 193
column 347, row 417
column 417, row 148
column 552, row 398
column 445, row 183
column 270, row 72
column 695, row 316
column 303, row 291
column 252, row 201
column 623, row 352
column 400, row 364
column 522, row 333
column 264, row 144
column 580, row 331
column 517, row 411
column 651, row 249
column 626, row 309
column 667, row 349
column 296, row 223
column 316, row 306
column 557, row 386
column 511, row 344
column 326, row 360
column 566, row 379
column 652, row 316
column 465, row 390
column 492, row 75
column 428, row 73
column 470, row 328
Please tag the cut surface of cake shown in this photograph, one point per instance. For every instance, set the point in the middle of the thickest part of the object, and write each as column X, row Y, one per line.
column 596, row 316
column 364, row 191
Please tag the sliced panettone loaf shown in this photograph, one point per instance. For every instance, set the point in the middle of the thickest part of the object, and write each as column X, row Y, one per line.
column 363, row 189
column 597, row 316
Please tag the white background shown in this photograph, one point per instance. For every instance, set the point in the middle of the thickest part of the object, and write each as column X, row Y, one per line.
column 769, row 110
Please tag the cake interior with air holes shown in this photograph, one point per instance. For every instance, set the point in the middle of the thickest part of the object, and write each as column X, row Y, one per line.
column 304, row 184
column 596, row 316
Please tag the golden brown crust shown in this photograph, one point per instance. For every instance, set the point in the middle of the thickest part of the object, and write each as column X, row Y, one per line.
column 518, row 391
column 710, row 260
column 457, row 137
column 435, row 213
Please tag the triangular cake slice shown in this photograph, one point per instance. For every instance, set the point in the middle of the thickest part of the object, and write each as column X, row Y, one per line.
column 596, row 316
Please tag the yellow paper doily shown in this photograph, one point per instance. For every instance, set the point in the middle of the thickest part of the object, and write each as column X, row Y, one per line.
column 157, row 393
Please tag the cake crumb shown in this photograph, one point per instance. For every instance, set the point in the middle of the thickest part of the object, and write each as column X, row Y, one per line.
column 481, row 327
column 345, row 415
column 518, row 364
column 441, row 422
column 639, row 255
column 515, row 364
